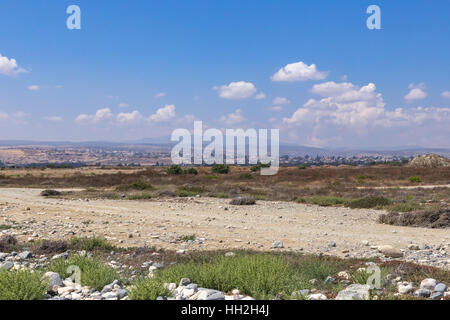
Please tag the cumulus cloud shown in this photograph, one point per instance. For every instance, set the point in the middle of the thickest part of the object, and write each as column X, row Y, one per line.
column 129, row 117
column 123, row 105
column 445, row 94
column 160, row 95
column 347, row 112
column 236, row 90
column 416, row 92
column 9, row 67
column 233, row 118
column 298, row 71
column 33, row 87
column 54, row 119
column 100, row 115
column 163, row 114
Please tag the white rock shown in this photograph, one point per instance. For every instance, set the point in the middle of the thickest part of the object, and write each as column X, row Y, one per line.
column 428, row 284
column 354, row 292
column 317, row 296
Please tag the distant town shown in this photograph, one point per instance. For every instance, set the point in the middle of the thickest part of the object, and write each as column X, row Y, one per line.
column 130, row 155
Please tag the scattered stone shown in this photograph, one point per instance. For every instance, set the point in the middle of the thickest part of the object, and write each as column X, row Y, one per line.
column 317, row 296
column 54, row 279
column 405, row 287
column 25, row 255
column 422, row 293
column 429, row 284
column 332, row 244
column 278, row 245
column 390, row 251
column 354, row 292
column 440, row 287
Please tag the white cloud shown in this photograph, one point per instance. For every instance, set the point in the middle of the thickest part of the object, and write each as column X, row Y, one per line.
column 129, row 117
column 54, row 119
column 236, row 90
column 233, row 118
column 9, row 67
column 349, row 113
column 298, row 71
column 160, row 95
column 281, row 101
column 163, row 114
column 445, row 94
column 416, row 92
column 33, row 87
column 101, row 114
column 123, row 105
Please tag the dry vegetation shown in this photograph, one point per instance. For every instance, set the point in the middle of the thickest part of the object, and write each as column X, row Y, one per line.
column 395, row 188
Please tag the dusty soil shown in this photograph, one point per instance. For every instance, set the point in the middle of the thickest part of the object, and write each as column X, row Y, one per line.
column 161, row 222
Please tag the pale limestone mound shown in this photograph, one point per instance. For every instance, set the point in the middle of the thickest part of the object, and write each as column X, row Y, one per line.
column 430, row 161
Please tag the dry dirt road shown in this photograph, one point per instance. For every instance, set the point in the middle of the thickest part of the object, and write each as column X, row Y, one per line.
column 218, row 225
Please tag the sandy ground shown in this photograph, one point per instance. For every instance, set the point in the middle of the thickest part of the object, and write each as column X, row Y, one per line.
column 160, row 222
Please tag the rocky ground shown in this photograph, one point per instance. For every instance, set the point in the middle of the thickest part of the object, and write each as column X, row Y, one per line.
column 214, row 224
column 67, row 289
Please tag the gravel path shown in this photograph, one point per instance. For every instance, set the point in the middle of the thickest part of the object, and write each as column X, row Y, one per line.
column 217, row 225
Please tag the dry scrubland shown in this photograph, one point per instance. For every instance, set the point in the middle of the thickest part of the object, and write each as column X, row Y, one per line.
column 311, row 224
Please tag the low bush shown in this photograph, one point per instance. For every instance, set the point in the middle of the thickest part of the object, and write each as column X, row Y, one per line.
column 174, row 169
column 137, row 185
column 142, row 196
column 369, row 202
column 7, row 243
column 260, row 276
column 22, row 285
column 93, row 273
column 243, row 201
column 50, row 193
column 221, row 169
column 91, row 244
column 327, row 201
column 414, row 179
column 191, row 171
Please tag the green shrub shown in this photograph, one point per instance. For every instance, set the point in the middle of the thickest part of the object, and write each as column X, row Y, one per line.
column 326, row 201
column 143, row 196
column 94, row 273
column 221, row 169
column 246, row 175
column 137, row 185
column 90, row 244
column 368, row 202
column 174, row 169
column 258, row 167
column 147, row 289
column 303, row 167
column 221, row 195
column 190, row 191
column 260, row 276
column 190, row 171
column 407, row 206
column 22, row 285
column 414, row 179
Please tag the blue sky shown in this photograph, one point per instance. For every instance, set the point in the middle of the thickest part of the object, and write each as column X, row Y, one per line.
column 152, row 66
